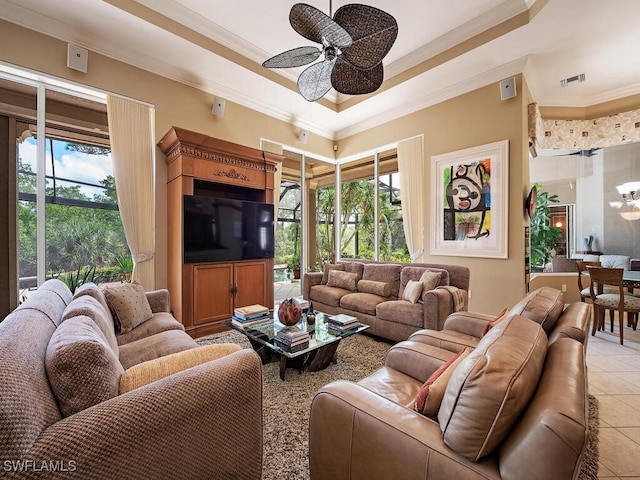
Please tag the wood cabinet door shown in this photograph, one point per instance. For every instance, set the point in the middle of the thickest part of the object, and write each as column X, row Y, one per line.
column 212, row 297
column 251, row 284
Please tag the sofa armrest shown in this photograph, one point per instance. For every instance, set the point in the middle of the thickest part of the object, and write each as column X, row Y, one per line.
column 159, row 300
column 310, row 279
column 437, row 307
column 416, row 359
column 202, row 423
column 355, row 433
column 469, row 323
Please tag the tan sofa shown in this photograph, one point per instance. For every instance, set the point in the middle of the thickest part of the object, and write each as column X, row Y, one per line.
column 515, row 407
column 62, row 415
column 390, row 316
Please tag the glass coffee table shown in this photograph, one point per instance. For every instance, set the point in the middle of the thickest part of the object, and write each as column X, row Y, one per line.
column 320, row 353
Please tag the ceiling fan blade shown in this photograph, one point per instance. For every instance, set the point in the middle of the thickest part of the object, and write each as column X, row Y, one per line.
column 315, row 81
column 318, row 27
column 372, row 30
column 295, row 57
column 350, row 80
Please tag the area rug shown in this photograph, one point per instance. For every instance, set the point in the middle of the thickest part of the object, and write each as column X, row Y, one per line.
column 286, row 405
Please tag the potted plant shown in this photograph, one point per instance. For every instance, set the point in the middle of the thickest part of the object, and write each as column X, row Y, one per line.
column 293, row 264
column 125, row 266
column 543, row 234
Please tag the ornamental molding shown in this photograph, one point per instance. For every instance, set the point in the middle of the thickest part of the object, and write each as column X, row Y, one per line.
column 232, row 174
column 198, row 152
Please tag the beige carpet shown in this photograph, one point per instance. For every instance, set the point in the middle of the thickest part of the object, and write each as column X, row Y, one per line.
column 286, row 405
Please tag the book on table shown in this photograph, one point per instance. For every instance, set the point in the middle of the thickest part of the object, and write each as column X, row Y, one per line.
column 293, row 348
column 292, row 333
column 246, row 322
column 340, row 329
column 251, row 311
column 342, row 319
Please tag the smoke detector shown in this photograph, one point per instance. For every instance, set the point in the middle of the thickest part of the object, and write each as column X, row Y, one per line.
column 575, row 79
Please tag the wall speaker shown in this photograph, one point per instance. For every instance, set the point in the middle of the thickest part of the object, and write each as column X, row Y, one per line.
column 302, row 136
column 218, row 107
column 77, row 58
column 508, row 88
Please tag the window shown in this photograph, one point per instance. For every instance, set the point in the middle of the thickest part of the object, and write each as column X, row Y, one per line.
column 82, row 222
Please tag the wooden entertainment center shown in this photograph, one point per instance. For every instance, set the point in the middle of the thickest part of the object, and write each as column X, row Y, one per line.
column 203, row 294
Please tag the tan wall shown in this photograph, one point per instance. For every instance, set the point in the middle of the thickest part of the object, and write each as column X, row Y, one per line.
column 473, row 119
column 175, row 105
column 557, row 280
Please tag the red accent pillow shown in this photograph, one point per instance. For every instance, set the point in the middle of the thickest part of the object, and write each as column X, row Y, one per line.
column 432, row 391
column 493, row 322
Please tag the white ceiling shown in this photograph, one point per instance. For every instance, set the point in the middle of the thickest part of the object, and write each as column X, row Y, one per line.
column 193, row 41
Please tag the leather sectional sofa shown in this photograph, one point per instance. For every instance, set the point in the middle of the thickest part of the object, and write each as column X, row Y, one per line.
column 377, row 295
column 184, row 411
column 516, row 406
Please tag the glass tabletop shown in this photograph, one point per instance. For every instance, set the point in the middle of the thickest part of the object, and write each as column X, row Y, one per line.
column 265, row 332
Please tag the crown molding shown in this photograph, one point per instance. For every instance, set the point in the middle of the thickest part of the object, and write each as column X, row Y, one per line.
column 454, row 90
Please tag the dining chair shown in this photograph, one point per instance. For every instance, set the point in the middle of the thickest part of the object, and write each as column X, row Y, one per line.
column 585, row 292
column 620, row 301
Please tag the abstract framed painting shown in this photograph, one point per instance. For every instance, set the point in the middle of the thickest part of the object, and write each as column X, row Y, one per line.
column 469, row 214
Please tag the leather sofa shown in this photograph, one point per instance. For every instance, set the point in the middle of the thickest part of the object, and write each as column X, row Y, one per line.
column 515, row 407
column 191, row 412
column 387, row 312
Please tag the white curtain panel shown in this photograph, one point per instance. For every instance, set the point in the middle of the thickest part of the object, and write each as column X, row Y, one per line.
column 131, row 135
column 410, row 166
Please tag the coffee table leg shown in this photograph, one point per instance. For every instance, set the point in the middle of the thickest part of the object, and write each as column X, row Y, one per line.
column 283, row 366
column 323, row 357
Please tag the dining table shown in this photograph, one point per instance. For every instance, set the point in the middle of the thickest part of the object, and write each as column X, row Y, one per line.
column 631, row 279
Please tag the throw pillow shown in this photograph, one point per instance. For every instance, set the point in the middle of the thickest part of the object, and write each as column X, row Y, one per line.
column 129, row 305
column 82, row 369
column 382, row 289
column 152, row 370
column 412, row 291
column 327, row 268
column 340, row 279
column 430, row 395
column 493, row 322
column 430, row 280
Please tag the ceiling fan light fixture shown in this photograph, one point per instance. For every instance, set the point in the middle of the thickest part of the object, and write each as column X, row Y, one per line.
column 354, row 44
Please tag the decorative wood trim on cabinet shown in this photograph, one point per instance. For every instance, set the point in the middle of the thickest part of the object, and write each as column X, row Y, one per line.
column 202, row 293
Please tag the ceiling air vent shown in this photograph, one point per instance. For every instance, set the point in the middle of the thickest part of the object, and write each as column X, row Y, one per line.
column 568, row 81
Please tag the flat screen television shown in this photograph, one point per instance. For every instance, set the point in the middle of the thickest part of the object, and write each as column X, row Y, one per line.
column 221, row 229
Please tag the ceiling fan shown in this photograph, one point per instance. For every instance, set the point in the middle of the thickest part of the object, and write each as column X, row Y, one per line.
column 354, row 43
column 589, row 152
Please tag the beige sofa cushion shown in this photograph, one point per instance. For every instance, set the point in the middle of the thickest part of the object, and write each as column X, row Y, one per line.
column 152, row 370
column 92, row 308
column 96, row 292
column 345, row 280
column 327, row 268
column 544, row 305
column 382, row 289
column 129, row 305
column 384, row 272
column 492, row 386
column 82, row 368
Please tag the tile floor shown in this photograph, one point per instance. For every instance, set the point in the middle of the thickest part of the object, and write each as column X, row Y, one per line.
column 286, row 289
column 614, row 378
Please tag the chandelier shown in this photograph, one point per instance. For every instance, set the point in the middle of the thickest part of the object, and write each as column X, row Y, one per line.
column 630, row 193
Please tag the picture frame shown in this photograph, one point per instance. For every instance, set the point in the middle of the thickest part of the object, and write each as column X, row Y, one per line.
column 470, row 211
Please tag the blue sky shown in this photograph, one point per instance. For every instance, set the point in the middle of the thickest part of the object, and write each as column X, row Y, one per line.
column 70, row 164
